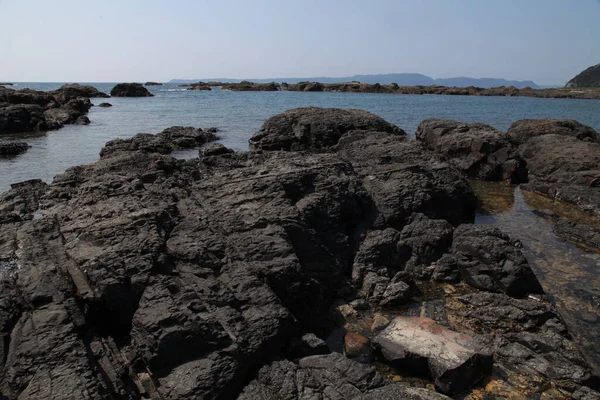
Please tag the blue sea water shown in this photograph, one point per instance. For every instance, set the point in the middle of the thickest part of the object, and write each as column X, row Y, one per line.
column 239, row 114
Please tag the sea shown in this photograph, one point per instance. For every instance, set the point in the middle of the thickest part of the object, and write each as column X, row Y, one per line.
column 238, row 115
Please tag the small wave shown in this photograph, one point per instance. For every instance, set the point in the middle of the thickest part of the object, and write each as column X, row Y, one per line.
column 172, row 90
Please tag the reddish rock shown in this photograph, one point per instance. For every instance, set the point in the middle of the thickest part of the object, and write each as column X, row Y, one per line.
column 358, row 347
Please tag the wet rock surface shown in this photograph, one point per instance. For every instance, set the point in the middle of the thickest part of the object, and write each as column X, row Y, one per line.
column 143, row 276
column 481, row 151
column 130, row 90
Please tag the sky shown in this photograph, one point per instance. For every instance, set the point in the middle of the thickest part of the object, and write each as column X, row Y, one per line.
column 547, row 41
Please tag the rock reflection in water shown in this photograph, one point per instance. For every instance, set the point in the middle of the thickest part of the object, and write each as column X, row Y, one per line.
column 569, row 274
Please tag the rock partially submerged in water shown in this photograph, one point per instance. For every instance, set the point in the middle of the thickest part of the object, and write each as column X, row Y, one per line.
column 174, row 138
column 478, row 149
column 315, row 128
column 17, row 118
column 455, row 361
column 105, row 105
column 73, row 91
column 13, row 148
column 27, row 110
column 130, row 90
column 153, row 84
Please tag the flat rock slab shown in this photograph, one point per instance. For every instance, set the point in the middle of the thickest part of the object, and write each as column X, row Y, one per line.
column 455, row 361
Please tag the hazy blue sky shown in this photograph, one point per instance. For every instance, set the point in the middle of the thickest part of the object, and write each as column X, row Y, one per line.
column 548, row 41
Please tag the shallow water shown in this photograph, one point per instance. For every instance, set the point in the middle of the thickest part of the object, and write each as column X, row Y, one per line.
column 568, row 273
column 239, row 114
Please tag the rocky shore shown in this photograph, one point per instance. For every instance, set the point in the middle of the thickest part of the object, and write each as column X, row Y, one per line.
column 358, row 87
column 337, row 259
column 28, row 110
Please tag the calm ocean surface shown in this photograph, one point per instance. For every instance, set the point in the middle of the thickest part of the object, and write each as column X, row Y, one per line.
column 239, row 114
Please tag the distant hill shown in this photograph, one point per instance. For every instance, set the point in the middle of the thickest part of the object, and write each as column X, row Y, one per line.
column 400, row 79
column 586, row 79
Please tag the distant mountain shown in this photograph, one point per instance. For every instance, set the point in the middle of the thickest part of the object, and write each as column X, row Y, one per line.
column 400, row 79
column 586, row 79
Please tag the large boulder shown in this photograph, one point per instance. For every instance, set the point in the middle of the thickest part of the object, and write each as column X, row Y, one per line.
column 480, row 150
column 564, row 168
column 174, row 138
column 73, row 91
column 488, row 259
column 130, row 90
column 22, row 118
column 525, row 129
column 315, row 128
column 455, row 361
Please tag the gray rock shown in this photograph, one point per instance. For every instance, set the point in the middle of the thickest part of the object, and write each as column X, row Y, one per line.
column 490, row 260
column 480, row 150
column 525, row 129
column 315, row 128
column 455, row 361
column 215, row 149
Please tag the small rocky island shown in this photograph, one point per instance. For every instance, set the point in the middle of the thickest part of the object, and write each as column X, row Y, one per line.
column 337, row 259
column 26, row 110
column 153, row 84
column 130, row 90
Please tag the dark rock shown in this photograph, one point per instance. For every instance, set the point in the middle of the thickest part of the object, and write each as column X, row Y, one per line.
column 564, row 168
column 523, row 130
column 480, row 150
column 22, row 118
column 199, row 86
column 315, row 128
column 144, row 276
column 176, row 137
column 307, row 345
column 402, row 178
column 497, row 312
column 13, row 148
column 104, row 105
column 130, row 90
column 83, row 120
column 331, row 376
column 27, row 96
column 394, row 392
column 490, row 260
column 153, row 84
column 328, row 377
column 215, row 149
column 245, row 86
column 455, row 362
column 57, row 117
column 73, row 91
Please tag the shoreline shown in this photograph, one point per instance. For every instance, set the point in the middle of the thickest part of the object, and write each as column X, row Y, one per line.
column 357, row 87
